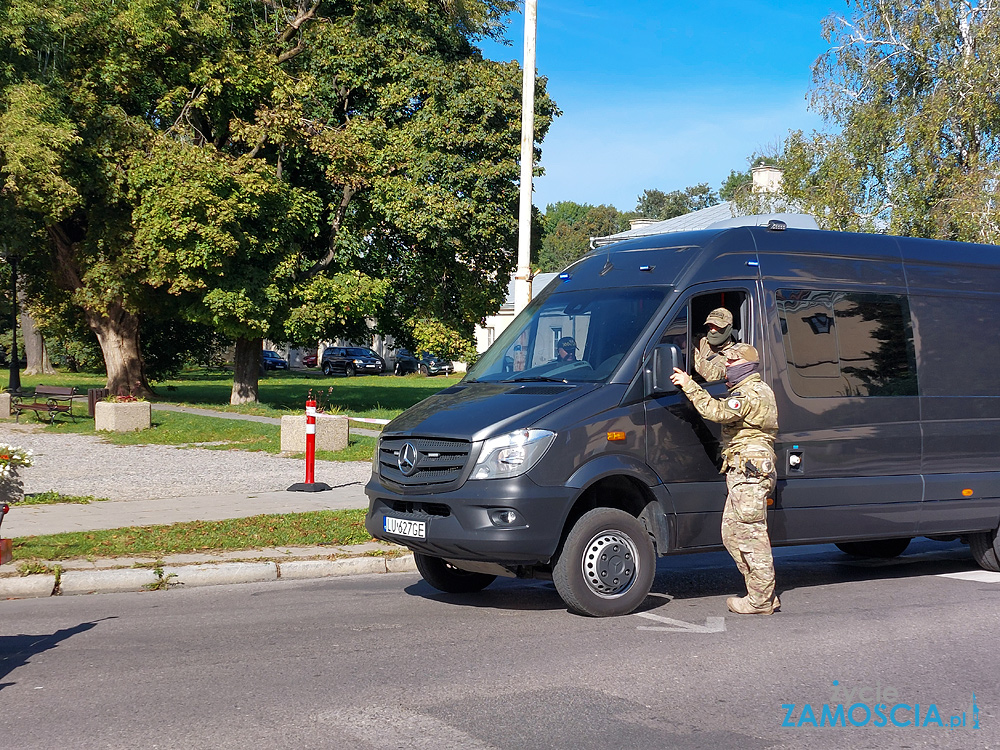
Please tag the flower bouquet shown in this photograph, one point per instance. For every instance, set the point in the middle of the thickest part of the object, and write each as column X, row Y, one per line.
column 12, row 458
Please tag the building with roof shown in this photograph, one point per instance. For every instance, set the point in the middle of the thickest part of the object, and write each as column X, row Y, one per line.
column 766, row 179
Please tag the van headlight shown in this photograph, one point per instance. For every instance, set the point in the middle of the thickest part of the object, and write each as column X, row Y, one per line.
column 512, row 454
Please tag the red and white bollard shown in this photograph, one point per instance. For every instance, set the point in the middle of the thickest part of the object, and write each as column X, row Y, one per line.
column 310, row 485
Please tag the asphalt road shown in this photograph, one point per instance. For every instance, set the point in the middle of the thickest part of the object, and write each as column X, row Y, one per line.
column 386, row 662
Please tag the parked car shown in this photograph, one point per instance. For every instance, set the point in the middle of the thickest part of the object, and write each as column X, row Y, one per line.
column 309, row 360
column 271, row 360
column 351, row 360
column 426, row 363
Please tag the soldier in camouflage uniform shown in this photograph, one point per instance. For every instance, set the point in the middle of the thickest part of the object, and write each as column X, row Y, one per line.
column 749, row 418
column 710, row 356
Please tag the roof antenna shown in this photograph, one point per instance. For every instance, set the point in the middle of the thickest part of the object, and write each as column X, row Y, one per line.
column 607, row 263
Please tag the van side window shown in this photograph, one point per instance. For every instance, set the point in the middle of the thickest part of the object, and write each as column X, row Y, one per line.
column 847, row 344
column 688, row 338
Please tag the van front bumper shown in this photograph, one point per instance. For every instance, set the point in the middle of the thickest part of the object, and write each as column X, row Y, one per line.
column 458, row 525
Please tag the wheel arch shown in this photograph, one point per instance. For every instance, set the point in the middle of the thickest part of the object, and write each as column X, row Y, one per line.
column 623, row 492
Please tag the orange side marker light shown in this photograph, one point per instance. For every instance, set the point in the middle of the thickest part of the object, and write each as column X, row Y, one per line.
column 616, row 436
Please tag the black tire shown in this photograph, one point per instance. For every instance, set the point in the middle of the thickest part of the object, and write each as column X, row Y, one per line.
column 349, row 370
column 607, row 564
column 985, row 548
column 446, row 577
column 424, row 371
column 882, row 548
column 327, row 368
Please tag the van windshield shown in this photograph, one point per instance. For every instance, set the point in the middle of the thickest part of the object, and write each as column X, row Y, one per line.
column 573, row 336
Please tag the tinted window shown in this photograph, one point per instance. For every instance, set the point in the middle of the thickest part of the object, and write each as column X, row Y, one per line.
column 959, row 346
column 847, row 344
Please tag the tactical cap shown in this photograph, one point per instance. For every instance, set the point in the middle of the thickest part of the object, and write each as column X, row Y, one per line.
column 720, row 317
column 742, row 351
column 568, row 343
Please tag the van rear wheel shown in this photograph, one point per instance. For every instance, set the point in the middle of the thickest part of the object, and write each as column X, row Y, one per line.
column 607, row 564
column 884, row 548
column 444, row 576
column 985, row 548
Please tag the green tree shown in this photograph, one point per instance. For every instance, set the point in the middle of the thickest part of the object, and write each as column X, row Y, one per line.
column 655, row 204
column 255, row 159
column 573, row 225
column 912, row 87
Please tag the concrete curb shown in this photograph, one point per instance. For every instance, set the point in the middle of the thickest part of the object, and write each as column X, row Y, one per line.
column 73, row 582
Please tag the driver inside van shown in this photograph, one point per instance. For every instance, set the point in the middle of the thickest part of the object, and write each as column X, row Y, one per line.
column 566, row 349
column 710, row 356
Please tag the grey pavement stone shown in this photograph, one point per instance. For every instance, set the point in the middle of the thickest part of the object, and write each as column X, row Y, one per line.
column 214, row 574
column 299, row 569
column 27, row 587
column 105, row 581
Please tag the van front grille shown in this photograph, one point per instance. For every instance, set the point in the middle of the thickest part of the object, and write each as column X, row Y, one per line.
column 413, row 461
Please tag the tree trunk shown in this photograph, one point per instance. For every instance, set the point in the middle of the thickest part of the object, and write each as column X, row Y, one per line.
column 117, row 332
column 34, row 344
column 246, row 371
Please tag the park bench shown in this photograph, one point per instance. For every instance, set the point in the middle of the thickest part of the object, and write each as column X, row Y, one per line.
column 46, row 399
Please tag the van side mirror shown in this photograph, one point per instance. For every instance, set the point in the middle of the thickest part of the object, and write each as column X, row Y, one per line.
column 659, row 367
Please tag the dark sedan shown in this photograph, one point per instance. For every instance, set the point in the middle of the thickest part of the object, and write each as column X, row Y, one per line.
column 271, row 360
column 425, row 364
column 351, row 360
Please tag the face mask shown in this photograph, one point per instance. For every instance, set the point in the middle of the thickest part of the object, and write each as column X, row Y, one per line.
column 716, row 337
column 737, row 373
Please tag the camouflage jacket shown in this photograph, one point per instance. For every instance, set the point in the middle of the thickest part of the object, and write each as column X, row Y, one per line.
column 711, row 363
column 749, row 419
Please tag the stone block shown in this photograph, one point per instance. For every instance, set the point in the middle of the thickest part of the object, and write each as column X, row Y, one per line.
column 304, row 569
column 331, row 433
column 125, row 416
column 5, row 406
column 214, row 574
column 27, row 587
column 105, row 581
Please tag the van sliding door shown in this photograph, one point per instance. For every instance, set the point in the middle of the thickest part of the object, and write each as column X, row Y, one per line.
column 844, row 376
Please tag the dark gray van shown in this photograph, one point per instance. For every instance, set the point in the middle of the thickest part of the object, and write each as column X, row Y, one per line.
column 882, row 352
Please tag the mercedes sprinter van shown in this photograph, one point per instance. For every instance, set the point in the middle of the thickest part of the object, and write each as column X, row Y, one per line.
column 883, row 354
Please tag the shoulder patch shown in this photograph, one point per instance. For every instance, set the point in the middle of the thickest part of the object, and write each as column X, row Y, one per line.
column 734, row 404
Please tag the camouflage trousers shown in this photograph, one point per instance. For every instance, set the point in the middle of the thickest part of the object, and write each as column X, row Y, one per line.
column 744, row 532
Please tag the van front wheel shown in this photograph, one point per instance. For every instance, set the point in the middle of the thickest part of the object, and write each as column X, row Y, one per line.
column 607, row 564
column 446, row 577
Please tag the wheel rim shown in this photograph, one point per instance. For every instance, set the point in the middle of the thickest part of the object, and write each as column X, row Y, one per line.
column 610, row 563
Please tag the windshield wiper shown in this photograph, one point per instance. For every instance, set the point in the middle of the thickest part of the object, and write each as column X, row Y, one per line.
column 535, row 379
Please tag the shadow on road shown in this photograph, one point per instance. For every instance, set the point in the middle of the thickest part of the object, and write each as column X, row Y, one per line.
column 713, row 574
column 17, row 650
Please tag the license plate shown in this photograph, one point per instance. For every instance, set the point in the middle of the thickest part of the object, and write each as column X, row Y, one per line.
column 403, row 527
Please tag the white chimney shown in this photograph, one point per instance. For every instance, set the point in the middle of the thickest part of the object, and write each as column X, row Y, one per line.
column 766, row 179
column 641, row 223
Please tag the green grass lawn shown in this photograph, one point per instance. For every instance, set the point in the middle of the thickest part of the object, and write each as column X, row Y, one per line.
column 379, row 397
column 279, row 393
column 333, row 527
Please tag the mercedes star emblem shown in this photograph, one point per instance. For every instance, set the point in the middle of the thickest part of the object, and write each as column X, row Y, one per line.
column 407, row 459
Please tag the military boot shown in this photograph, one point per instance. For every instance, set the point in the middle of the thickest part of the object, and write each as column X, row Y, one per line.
column 743, row 606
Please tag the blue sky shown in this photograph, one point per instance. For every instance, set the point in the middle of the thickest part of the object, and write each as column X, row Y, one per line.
column 667, row 94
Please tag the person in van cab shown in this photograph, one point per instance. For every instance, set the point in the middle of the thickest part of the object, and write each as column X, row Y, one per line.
column 566, row 349
column 710, row 356
column 749, row 418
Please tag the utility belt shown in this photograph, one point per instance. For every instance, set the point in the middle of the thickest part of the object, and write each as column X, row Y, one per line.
column 751, row 462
